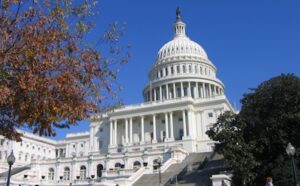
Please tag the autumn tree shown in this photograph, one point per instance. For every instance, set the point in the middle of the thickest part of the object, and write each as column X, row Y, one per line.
column 51, row 75
column 253, row 141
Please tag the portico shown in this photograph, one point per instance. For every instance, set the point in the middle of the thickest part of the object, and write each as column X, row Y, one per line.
column 151, row 128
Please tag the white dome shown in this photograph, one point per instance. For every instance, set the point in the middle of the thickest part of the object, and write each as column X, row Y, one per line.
column 181, row 46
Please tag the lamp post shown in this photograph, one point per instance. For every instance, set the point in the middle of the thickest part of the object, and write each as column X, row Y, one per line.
column 290, row 150
column 10, row 160
column 159, row 173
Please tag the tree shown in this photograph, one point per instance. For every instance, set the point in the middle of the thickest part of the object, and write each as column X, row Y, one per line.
column 254, row 140
column 51, row 76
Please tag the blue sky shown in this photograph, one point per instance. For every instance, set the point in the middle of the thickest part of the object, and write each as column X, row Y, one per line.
column 248, row 41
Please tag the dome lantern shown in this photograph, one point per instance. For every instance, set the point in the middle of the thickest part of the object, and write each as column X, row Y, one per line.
column 179, row 26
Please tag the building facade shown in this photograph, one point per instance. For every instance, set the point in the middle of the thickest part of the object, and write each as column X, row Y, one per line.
column 182, row 100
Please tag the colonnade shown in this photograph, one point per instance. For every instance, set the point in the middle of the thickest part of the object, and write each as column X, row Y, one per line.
column 168, row 128
column 182, row 89
column 174, row 69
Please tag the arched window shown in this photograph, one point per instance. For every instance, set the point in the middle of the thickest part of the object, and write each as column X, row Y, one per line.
column 82, row 173
column 67, row 173
column 118, row 165
column 136, row 164
column 51, row 174
column 99, row 170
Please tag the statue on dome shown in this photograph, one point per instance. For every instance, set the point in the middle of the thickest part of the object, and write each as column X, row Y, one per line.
column 178, row 12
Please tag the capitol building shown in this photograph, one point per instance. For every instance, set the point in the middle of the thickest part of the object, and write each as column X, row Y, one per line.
column 182, row 100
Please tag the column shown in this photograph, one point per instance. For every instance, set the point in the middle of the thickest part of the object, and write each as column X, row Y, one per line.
column 160, row 93
column 167, row 126
column 126, row 131
column 209, row 89
column 171, row 127
column 167, row 91
column 116, row 133
column 154, row 129
column 215, row 90
column 150, row 91
column 142, row 130
column 181, row 88
column 130, row 126
column 197, row 91
column 190, row 123
column 91, row 138
column 189, row 89
column 88, row 169
column 72, row 171
column 57, row 172
column 184, row 123
column 200, row 91
column 203, row 89
column 174, row 90
column 194, row 91
column 154, row 92
column 111, row 133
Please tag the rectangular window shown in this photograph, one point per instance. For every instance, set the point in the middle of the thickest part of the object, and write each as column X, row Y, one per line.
column 163, row 121
column 210, row 115
column 180, row 119
column 178, row 69
column 100, row 144
column 1, row 142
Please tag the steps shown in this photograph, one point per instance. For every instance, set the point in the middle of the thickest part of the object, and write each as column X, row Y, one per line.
column 201, row 177
column 15, row 170
column 193, row 159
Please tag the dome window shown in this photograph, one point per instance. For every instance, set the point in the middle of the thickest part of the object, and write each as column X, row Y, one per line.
column 183, row 69
column 178, row 69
